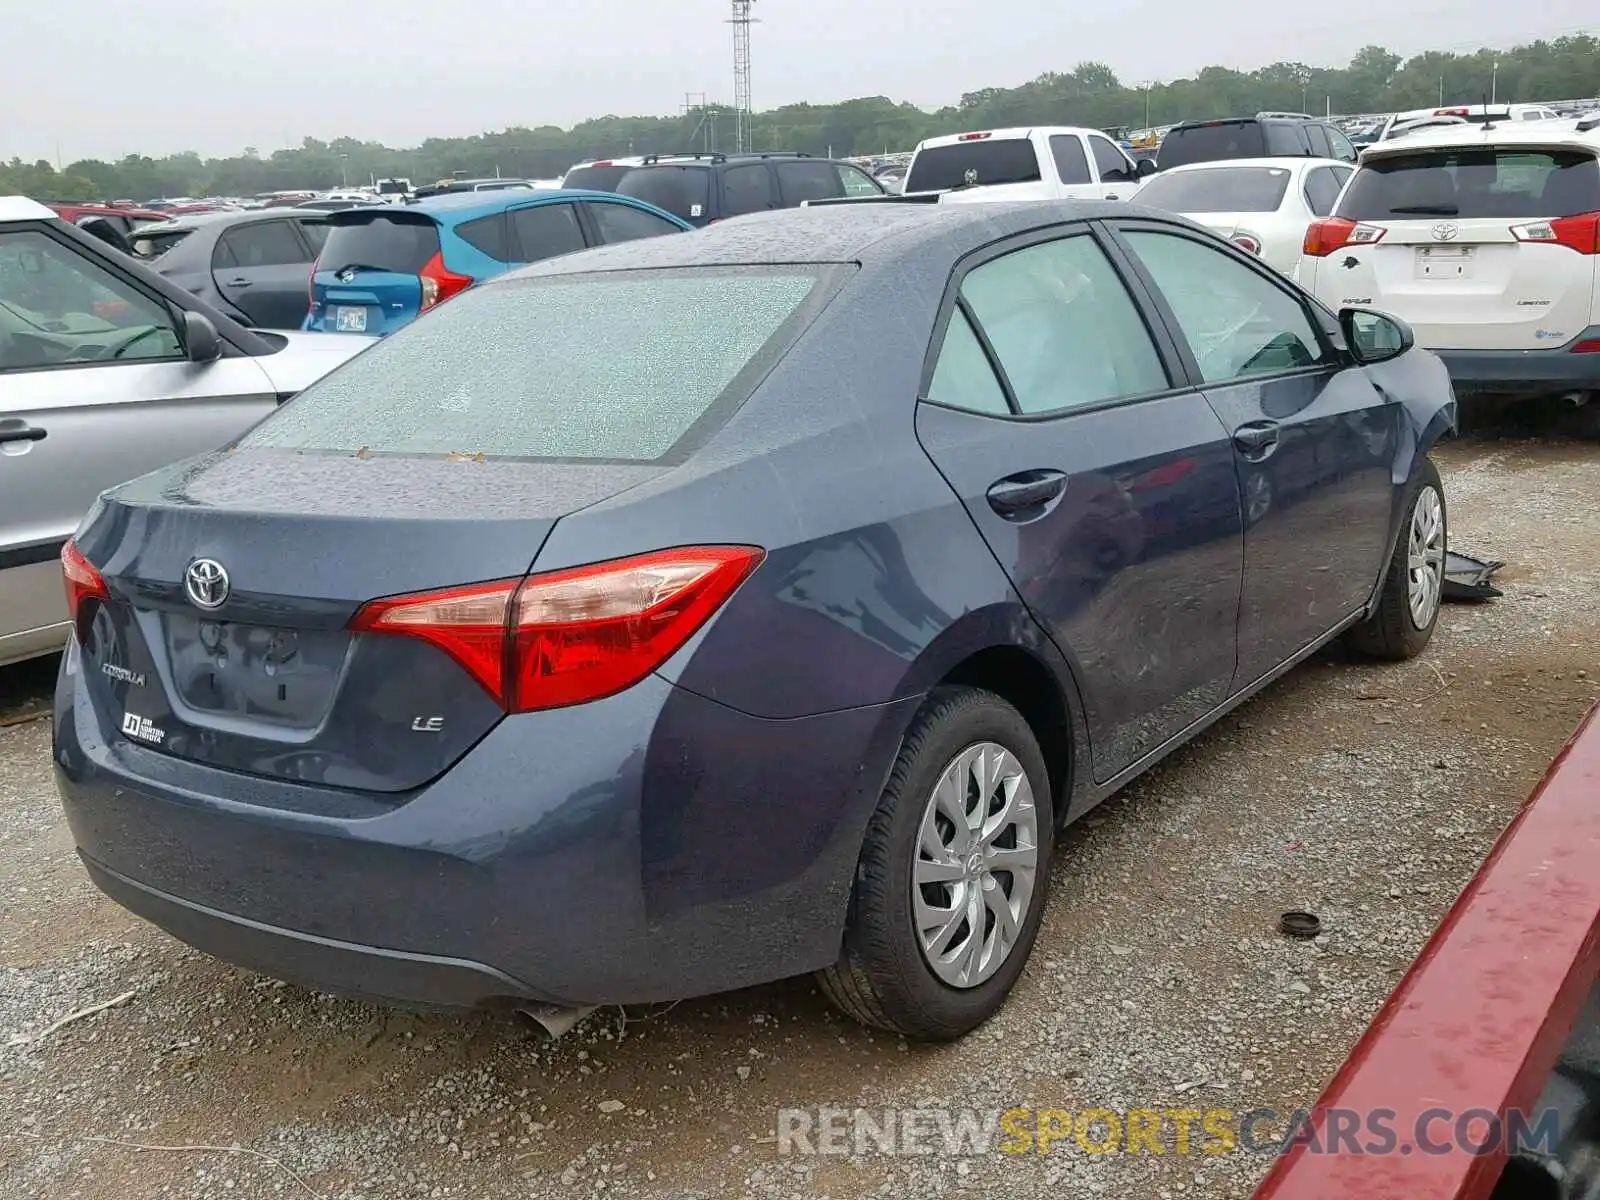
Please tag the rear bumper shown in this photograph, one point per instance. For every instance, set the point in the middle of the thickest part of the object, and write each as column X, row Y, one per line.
column 1524, row 373
column 650, row 846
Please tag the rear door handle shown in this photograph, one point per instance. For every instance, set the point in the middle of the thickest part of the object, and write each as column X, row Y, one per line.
column 1023, row 496
column 238, row 283
column 21, row 433
column 1257, row 439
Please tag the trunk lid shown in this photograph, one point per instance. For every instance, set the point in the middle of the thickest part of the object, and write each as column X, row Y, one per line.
column 270, row 681
column 364, row 301
column 367, row 277
column 1460, row 257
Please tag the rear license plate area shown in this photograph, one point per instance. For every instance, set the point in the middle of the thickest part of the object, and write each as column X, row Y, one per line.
column 348, row 319
column 284, row 676
column 1444, row 262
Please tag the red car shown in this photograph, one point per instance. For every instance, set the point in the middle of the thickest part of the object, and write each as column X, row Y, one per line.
column 123, row 218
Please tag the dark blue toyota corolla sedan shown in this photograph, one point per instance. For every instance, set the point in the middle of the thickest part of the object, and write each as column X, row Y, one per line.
column 671, row 617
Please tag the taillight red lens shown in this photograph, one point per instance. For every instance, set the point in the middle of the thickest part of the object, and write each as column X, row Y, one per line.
column 1334, row 233
column 568, row 637
column 439, row 283
column 1580, row 233
column 83, row 584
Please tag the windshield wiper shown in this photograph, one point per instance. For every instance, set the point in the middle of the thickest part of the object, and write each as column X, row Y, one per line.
column 1427, row 210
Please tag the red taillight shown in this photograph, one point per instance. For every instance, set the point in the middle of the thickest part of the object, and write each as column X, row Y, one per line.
column 1246, row 242
column 603, row 163
column 83, row 584
column 1334, row 233
column 1452, row 112
column 1580, row 233
column 973, row 137
column 568, row 637
column 1587, row 346
column 440, row 283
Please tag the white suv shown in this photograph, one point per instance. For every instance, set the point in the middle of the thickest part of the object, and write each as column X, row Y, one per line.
column 1485, row 240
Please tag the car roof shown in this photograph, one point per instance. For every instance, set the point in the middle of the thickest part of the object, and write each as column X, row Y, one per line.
column 1542, row 135
column 1302, row 163
column 861, row 233
column 461, row 206
column 208, row 220
column 20, row 208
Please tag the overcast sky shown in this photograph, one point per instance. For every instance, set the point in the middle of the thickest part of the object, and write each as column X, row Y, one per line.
column 101, row 78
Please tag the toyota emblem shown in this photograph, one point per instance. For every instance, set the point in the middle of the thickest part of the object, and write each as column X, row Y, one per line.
column 1444, row 232
column 206, row 583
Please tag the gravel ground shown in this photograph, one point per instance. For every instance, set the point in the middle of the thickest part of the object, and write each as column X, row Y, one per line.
column 1366, row 794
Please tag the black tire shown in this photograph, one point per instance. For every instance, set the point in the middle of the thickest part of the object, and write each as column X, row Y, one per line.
column 1391, row 633
column 882, row 978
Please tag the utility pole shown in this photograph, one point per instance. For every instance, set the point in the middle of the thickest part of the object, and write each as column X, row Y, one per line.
column 741, row 22
column 1494, row 80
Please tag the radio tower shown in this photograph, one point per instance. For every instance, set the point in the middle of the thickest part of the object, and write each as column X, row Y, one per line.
column 741, row 22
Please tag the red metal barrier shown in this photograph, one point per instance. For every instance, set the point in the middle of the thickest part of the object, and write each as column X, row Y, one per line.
column 1478, row 1021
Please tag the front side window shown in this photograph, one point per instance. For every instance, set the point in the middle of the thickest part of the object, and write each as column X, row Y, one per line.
column 1343, row 147
column 57, row 308
column 545, row 231
column 262, row 244
column 616, row 366
column 624, row 223
column 856, row 182
column 1063, row 327
column 1110, row 162
column 800, row 181
column 1237, row 323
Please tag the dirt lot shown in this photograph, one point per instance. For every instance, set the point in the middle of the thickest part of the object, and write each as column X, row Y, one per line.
column 1367, row 794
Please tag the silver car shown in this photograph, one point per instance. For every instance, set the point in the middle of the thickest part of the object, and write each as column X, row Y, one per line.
column 108, row 371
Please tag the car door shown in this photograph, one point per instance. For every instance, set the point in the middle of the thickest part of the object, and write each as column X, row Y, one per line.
column 541, row 231
column 612, row 221
column 263, row 269
column 1101, row 480
column 1315, row 441
column 746, row 188
column 1119, row 178
column 94, row 389
column 1072, row 166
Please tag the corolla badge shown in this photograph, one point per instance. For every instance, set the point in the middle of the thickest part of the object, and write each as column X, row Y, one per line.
column 1445, row 231
column 206, row 583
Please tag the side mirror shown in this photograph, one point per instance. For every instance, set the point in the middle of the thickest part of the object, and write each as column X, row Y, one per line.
column 1146, row 168
column 201, row 342
column 1374, row 337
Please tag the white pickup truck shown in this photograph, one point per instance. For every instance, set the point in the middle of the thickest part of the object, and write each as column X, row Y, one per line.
column 1042, row 163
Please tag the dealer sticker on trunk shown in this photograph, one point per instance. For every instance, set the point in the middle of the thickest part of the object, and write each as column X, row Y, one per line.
column 142, row 728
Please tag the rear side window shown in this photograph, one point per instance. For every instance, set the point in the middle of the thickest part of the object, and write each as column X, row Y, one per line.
column 151, row 244
column 1289, row 141
column 746, row 189
column 263, row 244
column 315, row 233
column 682, row 191
column 963, row 377
column 595, row 179
column 1210, row 142
column 402, row 244
column 800, row 181
column 1318, row 137
column 1473, row 183
column 1001, row 160
column 1218, row 190
column 545, row 231
column 1071, row 162
column 620, row 366
column 1322, row 189
column 488, row 235
column 624, row 223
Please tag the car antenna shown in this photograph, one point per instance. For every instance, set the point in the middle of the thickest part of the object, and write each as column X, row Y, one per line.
column 1488, row 117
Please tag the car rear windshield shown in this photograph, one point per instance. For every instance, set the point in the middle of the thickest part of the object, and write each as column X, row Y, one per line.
column 1002, row 160
column 624, row 367
column 682, row 191
column 1218, row 190
column 153, row 243
column 595, row 179
column 1212, row 141
column 1505, row 182
column 400, row 243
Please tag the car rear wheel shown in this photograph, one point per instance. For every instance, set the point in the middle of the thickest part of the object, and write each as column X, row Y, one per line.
column 952, row 878
column 1408, row 606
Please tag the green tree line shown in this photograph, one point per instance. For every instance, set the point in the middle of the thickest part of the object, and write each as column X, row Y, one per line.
column 1091, row 94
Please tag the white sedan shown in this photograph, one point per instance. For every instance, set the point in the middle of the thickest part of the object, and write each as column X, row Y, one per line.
column 1260, row 204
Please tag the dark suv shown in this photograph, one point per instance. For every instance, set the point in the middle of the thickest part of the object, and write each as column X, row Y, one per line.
column 1265, row 135
column 702, row 188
